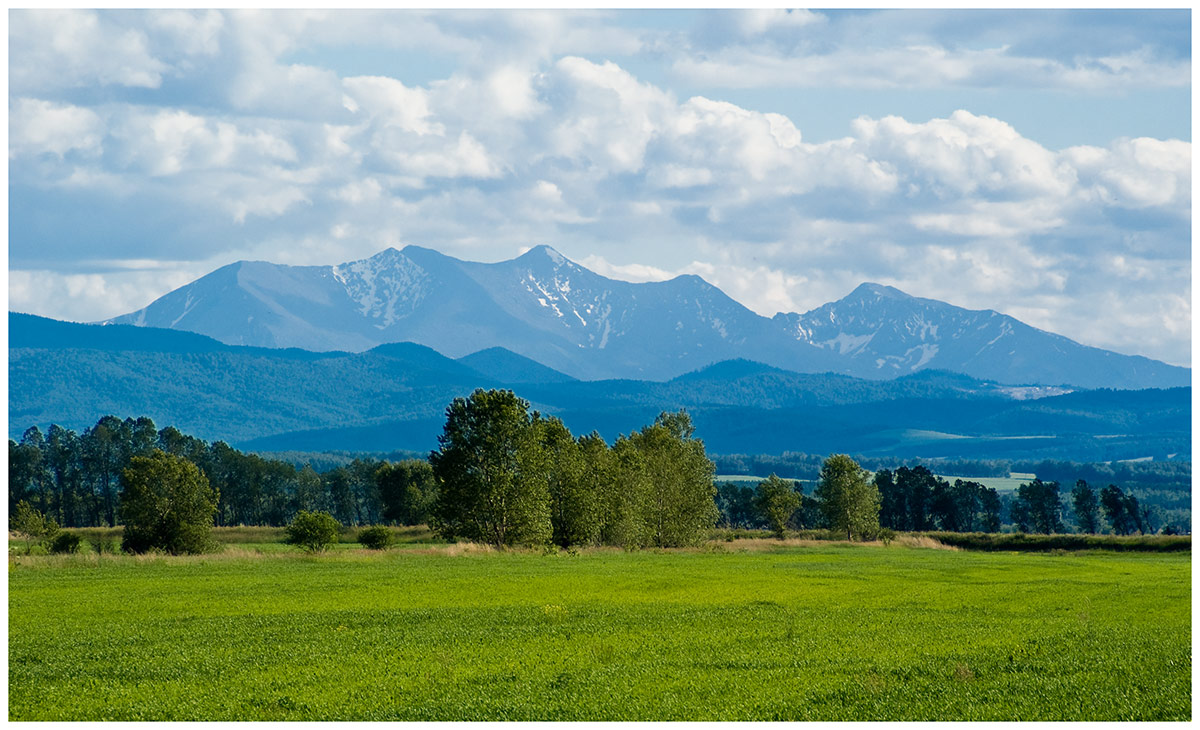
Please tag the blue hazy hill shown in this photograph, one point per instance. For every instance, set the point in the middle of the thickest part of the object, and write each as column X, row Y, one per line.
column 394, row 397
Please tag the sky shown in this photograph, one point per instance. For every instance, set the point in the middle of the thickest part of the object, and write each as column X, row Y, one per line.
column 1033, row 162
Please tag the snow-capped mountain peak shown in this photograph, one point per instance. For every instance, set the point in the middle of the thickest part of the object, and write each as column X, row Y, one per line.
column 543, row 252
column 545, row 307
column 869, row 289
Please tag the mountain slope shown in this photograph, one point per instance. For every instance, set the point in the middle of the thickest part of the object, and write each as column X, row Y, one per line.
column 510, row 367
column 881, row 332
column 544, row 307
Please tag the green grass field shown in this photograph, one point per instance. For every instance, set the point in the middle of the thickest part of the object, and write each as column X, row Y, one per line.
column 1000, row 484
column 731, row 632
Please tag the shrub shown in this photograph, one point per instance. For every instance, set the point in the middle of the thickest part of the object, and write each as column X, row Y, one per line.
column 65, row 542
column 376, row 537
column 106, row 545
column 36, row 528
column 313, row 531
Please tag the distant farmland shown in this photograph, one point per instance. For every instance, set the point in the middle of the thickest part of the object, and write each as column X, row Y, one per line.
column 1000, row 484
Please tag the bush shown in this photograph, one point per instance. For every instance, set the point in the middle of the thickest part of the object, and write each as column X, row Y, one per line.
column 65, row 542
column 37, row 529
column 106, row 545
column 313, row 531
column 377, row 537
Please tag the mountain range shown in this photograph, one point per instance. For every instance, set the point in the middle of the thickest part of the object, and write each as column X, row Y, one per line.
column 544, row 307
column 394, row 396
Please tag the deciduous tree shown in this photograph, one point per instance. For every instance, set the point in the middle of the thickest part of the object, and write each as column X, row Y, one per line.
column 36, row 528
column 1121, row 510
column 574, row 499
column 407, row 491
column 850, row 498
column 1087, row 509
column 488, row 468
column 679, row 508
column 777, row 500
column 166, row 503
column 1037, row 508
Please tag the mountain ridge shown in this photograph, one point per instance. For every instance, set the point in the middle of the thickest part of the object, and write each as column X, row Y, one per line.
column 549, row 309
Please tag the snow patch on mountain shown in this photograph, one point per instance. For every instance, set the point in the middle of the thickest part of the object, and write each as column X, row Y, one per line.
column 847, row 344
column 928, row 352
column 386, row 287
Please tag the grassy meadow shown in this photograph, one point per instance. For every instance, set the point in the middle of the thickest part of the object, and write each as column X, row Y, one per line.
column 750, row 630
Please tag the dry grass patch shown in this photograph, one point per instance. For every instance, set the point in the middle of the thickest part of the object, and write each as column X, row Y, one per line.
column 922, row 541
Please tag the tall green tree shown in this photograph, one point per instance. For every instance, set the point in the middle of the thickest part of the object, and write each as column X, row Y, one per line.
column 368, row 509
column 307, row 490
column 407, row 490
column 679, row 505
column 1037, row 508
column 28, row 476
column 850, row 498
column 63, row 456
column 339, row 494
column 1087, row 508
column 736, row 504
column 1121, row 510
column 893, row 501
column 489, row 468
column 142, row 435
column 40, row 480
column 619, row 480
column 989, row 510
column 955, row 507
column 105, row 454
column 574, row 499
column 166, row 503
column 917, row 485
column 776, row 500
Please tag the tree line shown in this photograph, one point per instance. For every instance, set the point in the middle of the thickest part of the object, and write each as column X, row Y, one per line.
column 505, row 475
column 913, row 499
column 1173, row 476
column 501, row 474
column 74, row 478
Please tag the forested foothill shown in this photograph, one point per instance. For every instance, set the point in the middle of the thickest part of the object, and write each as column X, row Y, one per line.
column 393, row 397
column 506, row 475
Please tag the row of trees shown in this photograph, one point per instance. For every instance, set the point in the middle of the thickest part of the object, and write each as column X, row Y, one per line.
column 74, row 479
column 912, row 499
column 502, row 475
column 507, row 476
column 1038, row 507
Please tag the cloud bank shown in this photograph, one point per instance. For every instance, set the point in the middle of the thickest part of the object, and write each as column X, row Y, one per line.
column 192, row 139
